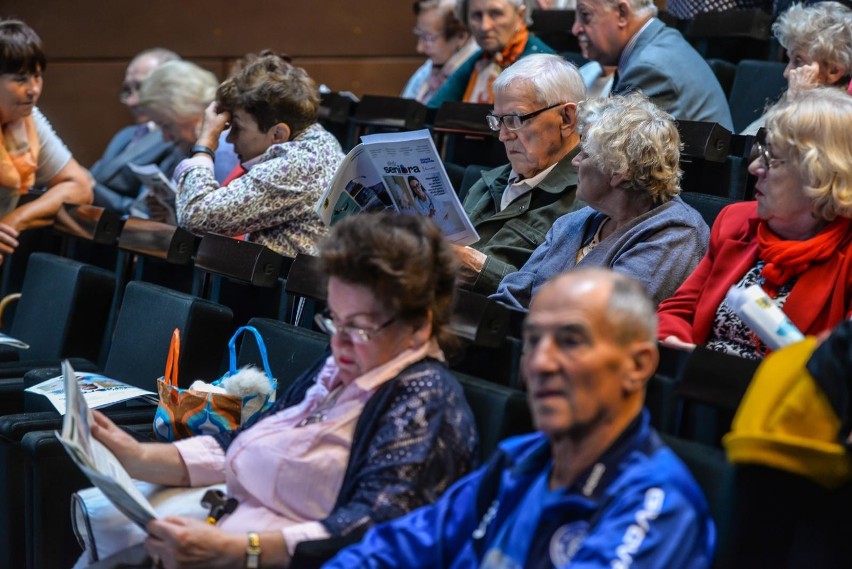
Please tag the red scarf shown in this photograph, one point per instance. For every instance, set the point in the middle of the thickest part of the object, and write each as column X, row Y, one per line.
column 786, row 258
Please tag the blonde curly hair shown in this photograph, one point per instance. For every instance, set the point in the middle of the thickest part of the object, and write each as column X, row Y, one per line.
column 631, row 136
column 811, row 131
column 178, row 89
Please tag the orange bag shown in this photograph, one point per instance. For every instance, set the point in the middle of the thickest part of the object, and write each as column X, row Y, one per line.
column 183, row 413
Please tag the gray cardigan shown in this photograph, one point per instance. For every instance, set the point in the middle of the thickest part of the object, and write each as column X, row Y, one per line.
column 659, row 248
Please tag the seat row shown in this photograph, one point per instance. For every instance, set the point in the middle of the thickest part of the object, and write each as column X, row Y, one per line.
column 691, row 398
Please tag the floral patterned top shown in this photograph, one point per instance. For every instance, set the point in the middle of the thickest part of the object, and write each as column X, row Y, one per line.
column 273, row 202
column 733, row 336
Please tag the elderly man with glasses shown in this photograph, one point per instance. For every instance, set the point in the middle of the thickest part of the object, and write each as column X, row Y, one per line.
column 513, row 206
column 116, row 187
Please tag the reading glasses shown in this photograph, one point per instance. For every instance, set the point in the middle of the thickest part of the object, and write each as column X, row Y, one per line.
column 354, row 334
column 513, row 121
column 767, row 161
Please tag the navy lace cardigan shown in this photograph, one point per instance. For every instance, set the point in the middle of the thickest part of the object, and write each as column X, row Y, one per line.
column 414, row 438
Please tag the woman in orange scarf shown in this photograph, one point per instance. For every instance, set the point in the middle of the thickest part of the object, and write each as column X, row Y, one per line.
column 500, row 29
column 795, row 240
column 31, row 155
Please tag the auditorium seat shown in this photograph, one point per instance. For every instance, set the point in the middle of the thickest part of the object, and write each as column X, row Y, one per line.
column 137, row 356
column 62, row 312
column 757, row 84
column 715, row 475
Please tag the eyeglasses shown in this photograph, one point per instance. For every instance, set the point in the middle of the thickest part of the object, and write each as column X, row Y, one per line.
column 767, row 161
column 424, row 37
column 355, row 334
column 514, row 121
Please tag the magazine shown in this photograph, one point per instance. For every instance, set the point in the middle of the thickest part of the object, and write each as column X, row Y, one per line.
column 160, row 188
column 401, row 172
column 6, row 340
column 95, row 460
column 98, row 391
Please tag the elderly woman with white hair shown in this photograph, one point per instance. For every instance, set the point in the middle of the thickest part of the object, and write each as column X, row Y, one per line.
column 794, row 240
column 818, row 40
column 175, row 96
column 636, row 224
column 500, row 29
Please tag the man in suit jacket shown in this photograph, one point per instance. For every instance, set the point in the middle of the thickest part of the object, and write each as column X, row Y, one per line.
column 652, row 58
column 512, row 207
column 116, row 187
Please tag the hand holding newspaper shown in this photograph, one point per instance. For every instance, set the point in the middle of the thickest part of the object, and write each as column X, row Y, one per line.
column 160, row 188
column 94, row 459
column 401, row 172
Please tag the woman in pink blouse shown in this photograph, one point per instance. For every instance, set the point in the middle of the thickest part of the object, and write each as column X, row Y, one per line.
column 377, row 429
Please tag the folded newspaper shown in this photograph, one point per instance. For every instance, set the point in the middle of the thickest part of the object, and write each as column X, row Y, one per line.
column 94, row 459
column 14, row 342
column 98, row 391
column 160, row 187
column 398, row 171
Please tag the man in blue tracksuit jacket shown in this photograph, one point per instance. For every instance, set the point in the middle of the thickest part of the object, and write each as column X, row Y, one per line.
column 594, row 487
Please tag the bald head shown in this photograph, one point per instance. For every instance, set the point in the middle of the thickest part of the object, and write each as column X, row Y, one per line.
column 624, row 305
column 589, row 349
column 140, row 67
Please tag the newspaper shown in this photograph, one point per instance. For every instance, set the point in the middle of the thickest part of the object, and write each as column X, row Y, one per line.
column 160, row 188
column 401, row 172
column 98, row 391
column 95, row 460
column 14, row 342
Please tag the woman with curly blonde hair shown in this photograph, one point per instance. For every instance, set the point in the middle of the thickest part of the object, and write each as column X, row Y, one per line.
column 794, row 240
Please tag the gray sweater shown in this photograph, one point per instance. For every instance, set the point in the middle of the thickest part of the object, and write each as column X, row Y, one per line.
column 659, row 248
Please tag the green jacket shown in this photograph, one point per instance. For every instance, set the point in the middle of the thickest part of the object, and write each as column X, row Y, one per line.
column 456, row 84
column 509, row 237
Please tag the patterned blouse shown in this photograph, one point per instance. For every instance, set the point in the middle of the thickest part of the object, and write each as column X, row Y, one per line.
column 730, row 334
column 273, row 202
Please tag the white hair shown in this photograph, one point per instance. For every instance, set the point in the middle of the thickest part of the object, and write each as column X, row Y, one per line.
column 550, row 77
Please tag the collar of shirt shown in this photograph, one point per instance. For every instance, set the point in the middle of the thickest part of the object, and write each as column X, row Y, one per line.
column 628, row 49
column 517, row 187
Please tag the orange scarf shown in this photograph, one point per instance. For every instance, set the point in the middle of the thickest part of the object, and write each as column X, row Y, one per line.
column 786, row 259
column 488, row 67
column 18, row 155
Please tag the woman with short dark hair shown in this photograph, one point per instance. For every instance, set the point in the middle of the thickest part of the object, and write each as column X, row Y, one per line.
column 271, row 108
column 31, row 154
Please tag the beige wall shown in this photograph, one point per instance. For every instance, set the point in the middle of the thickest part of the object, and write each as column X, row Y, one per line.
column 364, row 46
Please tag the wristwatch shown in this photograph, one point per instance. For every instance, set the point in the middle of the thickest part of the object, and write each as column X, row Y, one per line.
column 253, row 551
column 201, row 149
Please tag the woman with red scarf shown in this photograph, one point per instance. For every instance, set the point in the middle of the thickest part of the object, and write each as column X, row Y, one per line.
column 795, row 240
column 500, row 29
column 31, row 155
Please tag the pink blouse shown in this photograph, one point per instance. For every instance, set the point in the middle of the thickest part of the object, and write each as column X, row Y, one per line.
column 293, row 470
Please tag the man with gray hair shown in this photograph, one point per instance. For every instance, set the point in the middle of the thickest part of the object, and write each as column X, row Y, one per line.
column 116, row 186
column 513, row 206
column 595, row 486
column 652, row 58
